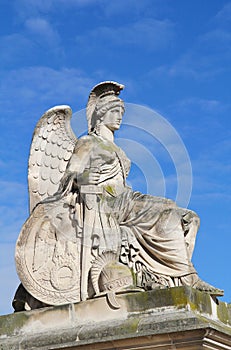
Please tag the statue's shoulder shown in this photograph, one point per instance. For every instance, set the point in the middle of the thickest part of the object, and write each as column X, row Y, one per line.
column 85, row 142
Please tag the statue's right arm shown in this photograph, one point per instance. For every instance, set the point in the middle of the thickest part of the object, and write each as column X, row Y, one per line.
column 80, row 163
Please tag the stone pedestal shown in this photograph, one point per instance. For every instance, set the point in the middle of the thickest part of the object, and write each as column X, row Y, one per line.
column 175, row 318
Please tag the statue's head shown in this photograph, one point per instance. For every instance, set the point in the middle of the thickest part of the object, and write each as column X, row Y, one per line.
column 103, row 98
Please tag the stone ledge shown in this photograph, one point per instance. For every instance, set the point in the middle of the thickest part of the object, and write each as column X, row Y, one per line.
column 157, row 319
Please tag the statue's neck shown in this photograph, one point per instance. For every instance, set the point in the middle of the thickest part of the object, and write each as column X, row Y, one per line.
column 106, row 133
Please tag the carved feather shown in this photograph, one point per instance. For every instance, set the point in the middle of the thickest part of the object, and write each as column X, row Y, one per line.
column 97, row 266
column 51, row 148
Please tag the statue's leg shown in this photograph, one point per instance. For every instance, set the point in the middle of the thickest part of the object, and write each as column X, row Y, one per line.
column 164, row 237
column 190, row 224
column 161, row 246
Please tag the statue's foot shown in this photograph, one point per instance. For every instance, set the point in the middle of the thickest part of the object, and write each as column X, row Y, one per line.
column 207, row 288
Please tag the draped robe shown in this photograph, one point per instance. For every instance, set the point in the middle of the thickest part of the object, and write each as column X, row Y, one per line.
column 153, row 236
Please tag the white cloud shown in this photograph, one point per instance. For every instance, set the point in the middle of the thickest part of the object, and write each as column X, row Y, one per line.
column 194, row 64
column 13, row 48
column 32, row 8
column 122, row 8
column 224, row 15
column 203, row 119
column 215, row 42
column 202, row 60
column 200, row 104
column 32, row 5
column 43, row 86
column 37, row 43
column 109, row 8
column 147, row 33
column 42, row 29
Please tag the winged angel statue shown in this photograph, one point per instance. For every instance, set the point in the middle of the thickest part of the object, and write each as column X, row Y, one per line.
column 88, row 233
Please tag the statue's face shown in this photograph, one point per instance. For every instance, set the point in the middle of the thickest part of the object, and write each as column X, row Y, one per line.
column 113, row 118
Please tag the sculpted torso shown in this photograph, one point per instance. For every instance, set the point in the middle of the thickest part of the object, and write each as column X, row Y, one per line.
column 97, row 161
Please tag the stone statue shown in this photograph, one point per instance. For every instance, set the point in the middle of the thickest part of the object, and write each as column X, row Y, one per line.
column 88, row 233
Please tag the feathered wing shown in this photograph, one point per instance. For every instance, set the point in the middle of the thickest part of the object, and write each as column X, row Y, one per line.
column 51, row 148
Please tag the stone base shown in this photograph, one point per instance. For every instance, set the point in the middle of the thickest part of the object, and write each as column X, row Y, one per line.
column 175, row 318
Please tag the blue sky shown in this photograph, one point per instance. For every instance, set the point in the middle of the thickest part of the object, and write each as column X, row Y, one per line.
column 172, row 56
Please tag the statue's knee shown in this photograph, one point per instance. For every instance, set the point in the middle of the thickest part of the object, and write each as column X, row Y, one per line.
column 191, row 218
column 170, row 221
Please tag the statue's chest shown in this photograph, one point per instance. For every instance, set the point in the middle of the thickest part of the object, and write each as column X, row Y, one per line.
column 107, row 153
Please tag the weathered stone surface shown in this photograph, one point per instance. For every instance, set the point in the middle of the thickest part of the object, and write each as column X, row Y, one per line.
column 88, row 233
column 175, row 318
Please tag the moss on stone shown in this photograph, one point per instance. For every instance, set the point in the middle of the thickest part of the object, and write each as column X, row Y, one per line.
column 223, row 313
column 179, row 297
column 112, row 329
column 13, row 324
column 201, row 302
column 150, row 313
column 110, row 190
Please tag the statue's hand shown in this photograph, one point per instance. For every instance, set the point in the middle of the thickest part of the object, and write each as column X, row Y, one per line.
column 89, row 177
column 94, row 177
